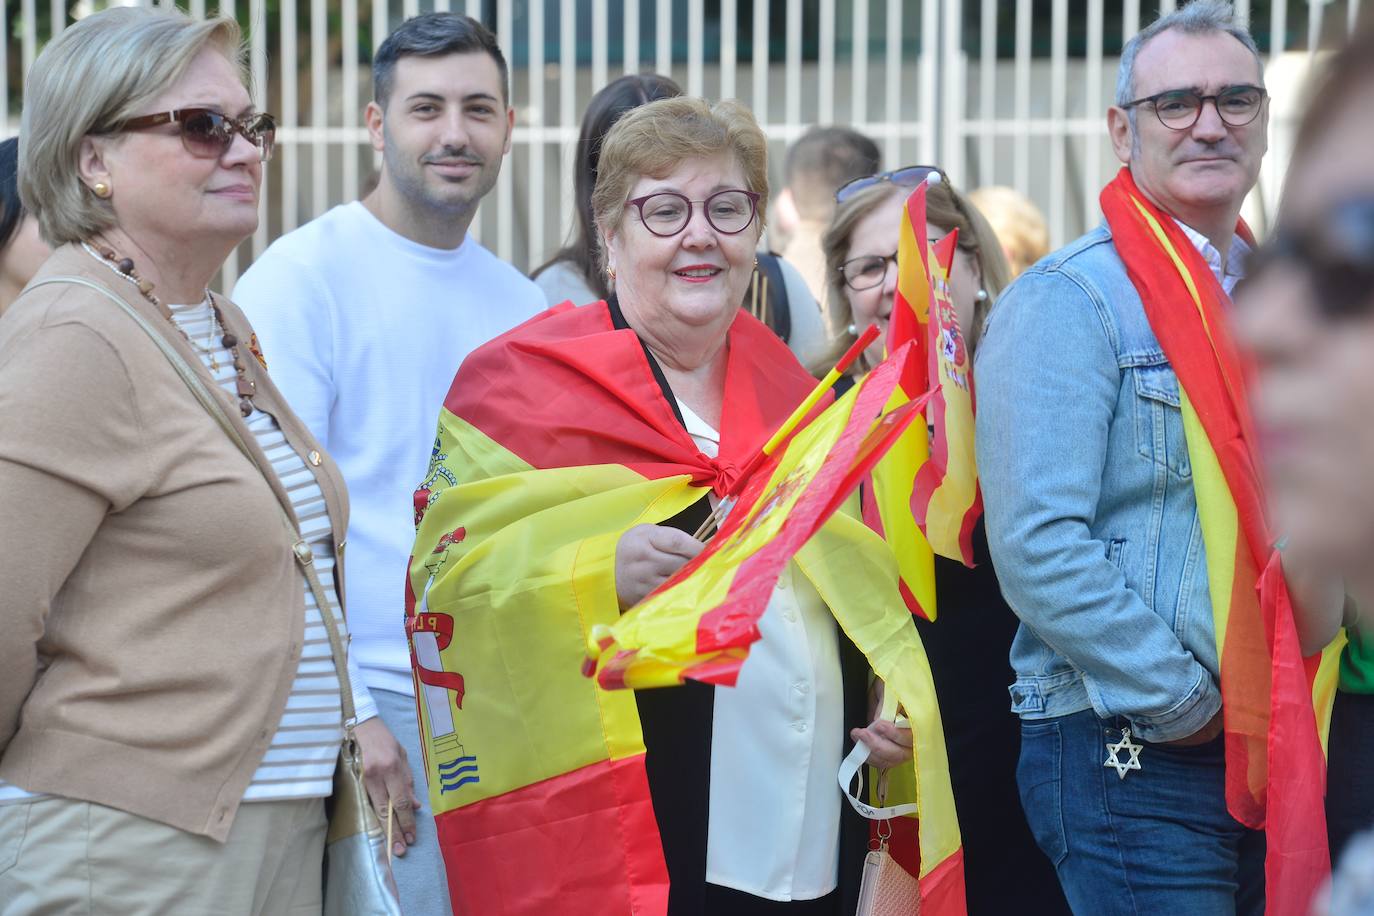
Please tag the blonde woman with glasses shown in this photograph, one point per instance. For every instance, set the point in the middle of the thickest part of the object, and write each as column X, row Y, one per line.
column 170, row 710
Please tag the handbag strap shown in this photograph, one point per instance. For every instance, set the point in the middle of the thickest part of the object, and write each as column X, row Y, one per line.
column 853, row 767
column 304, row 554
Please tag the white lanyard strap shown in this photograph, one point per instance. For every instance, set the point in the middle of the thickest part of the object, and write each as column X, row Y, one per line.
column 853, row 767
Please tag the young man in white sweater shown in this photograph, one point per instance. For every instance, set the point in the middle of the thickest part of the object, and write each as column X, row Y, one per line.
column 364, row 316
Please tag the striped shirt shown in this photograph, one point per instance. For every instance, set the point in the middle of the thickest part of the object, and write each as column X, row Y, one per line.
column 300, row 761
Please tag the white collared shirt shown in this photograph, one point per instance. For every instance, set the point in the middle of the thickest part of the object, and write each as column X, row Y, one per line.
column 774, row 821
column 1235, row 260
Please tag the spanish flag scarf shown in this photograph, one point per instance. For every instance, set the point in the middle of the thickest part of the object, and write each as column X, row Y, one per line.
column 1275, row 769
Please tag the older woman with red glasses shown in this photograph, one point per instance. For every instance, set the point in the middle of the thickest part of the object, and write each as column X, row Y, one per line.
column 667, row 377
column 171, row 713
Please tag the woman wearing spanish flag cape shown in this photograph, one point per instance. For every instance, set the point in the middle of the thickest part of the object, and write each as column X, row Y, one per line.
column 575, row 457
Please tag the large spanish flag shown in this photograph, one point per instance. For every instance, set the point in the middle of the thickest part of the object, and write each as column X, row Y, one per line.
column 889, row 511
column 1275, row 769
column 554, row 440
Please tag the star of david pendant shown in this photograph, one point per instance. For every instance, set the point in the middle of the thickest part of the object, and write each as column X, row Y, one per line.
column 1130, row 747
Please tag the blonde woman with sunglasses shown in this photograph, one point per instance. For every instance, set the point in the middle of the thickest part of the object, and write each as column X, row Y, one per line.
column 170, row 709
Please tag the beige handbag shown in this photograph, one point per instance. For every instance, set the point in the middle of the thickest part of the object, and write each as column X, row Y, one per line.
column 357, row 861
column 886, row 889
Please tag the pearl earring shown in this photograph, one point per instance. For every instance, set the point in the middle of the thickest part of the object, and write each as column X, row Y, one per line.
column 101, row 189
column 982, row 295
column 853, row 330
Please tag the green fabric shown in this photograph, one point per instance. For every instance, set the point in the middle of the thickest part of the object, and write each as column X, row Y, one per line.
column 1357, row 662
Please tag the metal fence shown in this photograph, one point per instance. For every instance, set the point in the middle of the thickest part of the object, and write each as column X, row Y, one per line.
column 996, row 91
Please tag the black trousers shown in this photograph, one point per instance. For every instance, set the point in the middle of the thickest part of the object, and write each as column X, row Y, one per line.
column 1349, row 776
column 723, row 901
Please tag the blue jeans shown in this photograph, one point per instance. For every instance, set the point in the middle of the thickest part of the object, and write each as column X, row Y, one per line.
column 420, row 875
column 1159, row 841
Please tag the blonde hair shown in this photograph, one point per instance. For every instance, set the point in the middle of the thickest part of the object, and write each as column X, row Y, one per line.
column 98, row 73
column 1018, row 223
column 946, row 208
column 654, row 138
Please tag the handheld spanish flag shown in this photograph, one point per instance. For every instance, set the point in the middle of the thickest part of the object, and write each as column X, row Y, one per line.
column 889, row 511
column 946, row 501
column 700, row 624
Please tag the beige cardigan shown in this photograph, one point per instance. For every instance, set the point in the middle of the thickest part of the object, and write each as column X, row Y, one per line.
column 151, row 609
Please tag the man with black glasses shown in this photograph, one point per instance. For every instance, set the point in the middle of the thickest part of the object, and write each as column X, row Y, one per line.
column 1157, row 652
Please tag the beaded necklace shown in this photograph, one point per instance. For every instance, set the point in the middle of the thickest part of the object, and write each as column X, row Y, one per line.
column 124, row 267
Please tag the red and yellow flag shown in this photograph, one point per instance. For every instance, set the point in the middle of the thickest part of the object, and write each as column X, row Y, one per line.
column 1275, row 770
column 553, row 441
column 945, row 500
column 700, row 624
column 889, row 512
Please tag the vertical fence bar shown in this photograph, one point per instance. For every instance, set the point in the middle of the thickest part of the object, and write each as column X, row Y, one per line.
column 1352, row 16
column 505, row 208
column 1278, row 30
column 1092, row 142
column 793, row 66
column 600, row 44
column 567, row 116
column 1059, row 84
column 198, row 9
column 953, row 101
column 696, row 48
column 474, row 9
column 58, row 12
column 1023, row 78
column 892, row 87
column 290, row 118
column 409, row 8
column 1167, row 6
column 5, row 68
column 29, row 39
column 1130, row 20
column 826, row 64
column 538, row 118
column 442, row 6
column 1315, row 11
column 729, row 49
column 631, row 16
column 663, row 37
column 759, row 66
column 858, row 74
column 350, row 99
column 1243, row 12
column 987, row 92
column 319, row 111
column 257, row 64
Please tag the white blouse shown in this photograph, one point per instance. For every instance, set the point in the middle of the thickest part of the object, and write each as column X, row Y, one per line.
column 774, row 818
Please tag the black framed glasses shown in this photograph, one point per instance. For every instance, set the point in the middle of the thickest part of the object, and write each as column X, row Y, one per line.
column 666, row 213
column 1335, row 253
column 867, row 271
column 1179, row 109
column 908, row 176
column 207, row 134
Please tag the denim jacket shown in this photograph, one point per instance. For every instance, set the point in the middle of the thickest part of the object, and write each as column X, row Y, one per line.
column 1091, row 517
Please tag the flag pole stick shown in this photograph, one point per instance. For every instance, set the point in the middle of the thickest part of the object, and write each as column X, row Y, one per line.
column 790, row 424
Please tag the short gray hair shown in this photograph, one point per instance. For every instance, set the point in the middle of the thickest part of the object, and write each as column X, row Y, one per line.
column 98, row 73
column 1200, row 17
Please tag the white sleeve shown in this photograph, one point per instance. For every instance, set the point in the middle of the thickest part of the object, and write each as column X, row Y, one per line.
column 292, row 314
column 808, row 339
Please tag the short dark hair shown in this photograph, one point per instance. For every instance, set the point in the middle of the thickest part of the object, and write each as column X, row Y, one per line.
column 433, row 35
column 11, row 210
column 820, row 161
